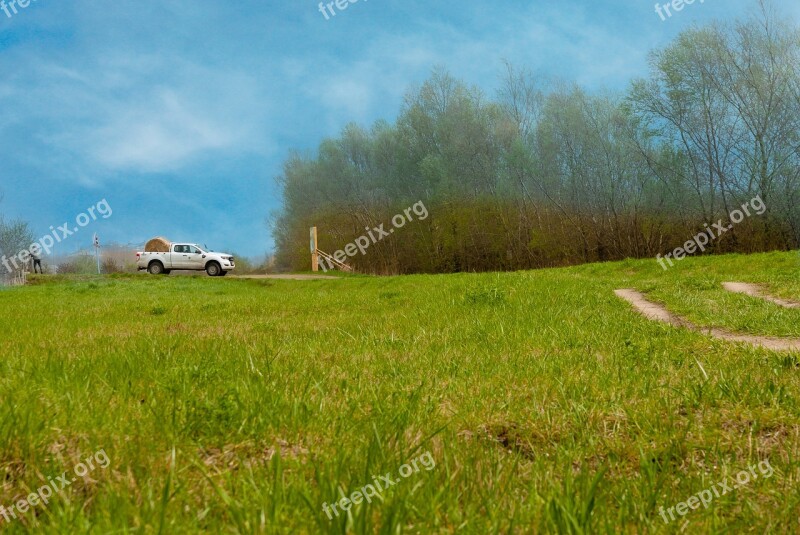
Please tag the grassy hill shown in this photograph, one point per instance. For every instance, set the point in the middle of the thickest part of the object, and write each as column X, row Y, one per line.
column 546, row 403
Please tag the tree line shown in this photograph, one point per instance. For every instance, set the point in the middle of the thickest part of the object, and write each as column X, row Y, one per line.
column 548, row 174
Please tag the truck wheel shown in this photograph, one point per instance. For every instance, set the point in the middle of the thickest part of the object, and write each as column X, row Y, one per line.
column 213, row 269
column 223, row 273
column 155, row 268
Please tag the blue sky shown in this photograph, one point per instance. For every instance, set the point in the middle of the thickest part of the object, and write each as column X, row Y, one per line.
column 180, row 112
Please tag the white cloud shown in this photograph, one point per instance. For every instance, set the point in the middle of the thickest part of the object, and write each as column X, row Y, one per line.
column 161, row 133
column 138, row 113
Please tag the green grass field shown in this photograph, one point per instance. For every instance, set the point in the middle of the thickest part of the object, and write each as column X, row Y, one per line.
column 547, row 403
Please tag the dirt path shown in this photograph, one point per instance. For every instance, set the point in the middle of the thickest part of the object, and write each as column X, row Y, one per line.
column 289, row 277
column 656, row 312
column 754, row 290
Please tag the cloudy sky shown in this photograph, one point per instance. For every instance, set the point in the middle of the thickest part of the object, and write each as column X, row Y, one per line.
column 180, row 112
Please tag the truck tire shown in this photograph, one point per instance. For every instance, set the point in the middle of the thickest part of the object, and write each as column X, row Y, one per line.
column 213, row 269
column 223, row 273
column 155, row 268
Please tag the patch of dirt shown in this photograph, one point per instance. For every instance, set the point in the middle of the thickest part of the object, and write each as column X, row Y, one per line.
column 11, row 472
column 510, row 438
column 650, row 310
column 657, row 312
column 232, row 456
column 767, row 439
column 756, row 291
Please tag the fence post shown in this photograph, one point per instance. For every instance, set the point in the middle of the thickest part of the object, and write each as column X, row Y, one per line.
column 314, row 253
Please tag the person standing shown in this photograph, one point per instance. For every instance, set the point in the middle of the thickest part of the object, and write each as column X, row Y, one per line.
column 37, row 261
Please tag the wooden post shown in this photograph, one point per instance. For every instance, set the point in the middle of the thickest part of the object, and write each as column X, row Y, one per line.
column 314, row 254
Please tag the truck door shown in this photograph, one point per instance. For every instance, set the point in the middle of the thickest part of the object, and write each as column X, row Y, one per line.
column 194, row 259
column 180, row 257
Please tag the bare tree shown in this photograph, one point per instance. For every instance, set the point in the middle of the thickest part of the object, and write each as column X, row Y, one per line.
column 15, row 236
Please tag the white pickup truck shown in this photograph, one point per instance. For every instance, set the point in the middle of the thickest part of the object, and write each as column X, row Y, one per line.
column 185, row 256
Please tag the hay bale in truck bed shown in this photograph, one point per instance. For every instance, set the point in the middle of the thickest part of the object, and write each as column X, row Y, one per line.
column 158, row 245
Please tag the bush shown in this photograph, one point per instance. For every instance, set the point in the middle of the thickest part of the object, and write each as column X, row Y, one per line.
column 79, row 265
column 110, row 266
